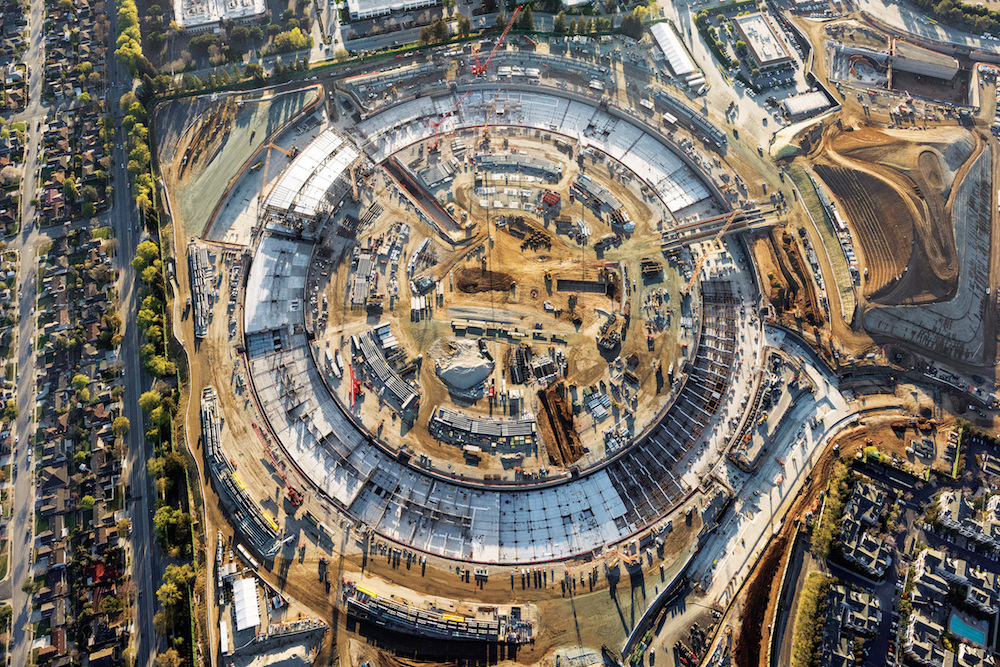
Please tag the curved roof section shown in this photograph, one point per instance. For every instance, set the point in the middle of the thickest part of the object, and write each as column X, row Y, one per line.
column 302, row 188
column 647, row 155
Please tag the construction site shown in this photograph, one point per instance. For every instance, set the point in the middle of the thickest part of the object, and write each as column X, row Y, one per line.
column 487, row 366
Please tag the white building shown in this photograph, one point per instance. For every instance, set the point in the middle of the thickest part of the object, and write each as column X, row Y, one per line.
column 197, row 16
column 358, row 10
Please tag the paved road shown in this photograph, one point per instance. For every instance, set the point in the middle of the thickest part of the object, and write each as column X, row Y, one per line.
column 125, row 219
column 22, row 526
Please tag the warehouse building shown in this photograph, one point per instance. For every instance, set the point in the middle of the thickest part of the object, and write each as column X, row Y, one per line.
column 680, row 61
column 765, row 46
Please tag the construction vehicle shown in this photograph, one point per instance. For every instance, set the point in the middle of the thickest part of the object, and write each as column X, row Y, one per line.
column 479, row 68
column 701, row 260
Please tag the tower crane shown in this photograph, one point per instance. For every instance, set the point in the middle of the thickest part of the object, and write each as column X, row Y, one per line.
column 478, row 68
column 704, row 256
column 433, row 145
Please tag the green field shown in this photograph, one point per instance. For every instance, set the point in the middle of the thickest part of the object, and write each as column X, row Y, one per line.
column 824, row 225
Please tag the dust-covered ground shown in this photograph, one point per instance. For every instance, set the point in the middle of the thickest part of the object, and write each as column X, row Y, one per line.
column 216, row 135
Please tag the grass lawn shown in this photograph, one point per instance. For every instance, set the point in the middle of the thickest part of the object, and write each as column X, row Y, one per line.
column 101, row 233
column 41, row 523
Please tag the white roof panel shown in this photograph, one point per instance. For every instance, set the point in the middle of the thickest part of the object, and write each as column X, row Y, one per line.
column 245, row 604
column 677, row 56
column 312, row 173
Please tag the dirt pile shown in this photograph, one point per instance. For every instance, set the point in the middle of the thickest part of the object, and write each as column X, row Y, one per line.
column 556, row 422
column 460, row 364
column 472, row 280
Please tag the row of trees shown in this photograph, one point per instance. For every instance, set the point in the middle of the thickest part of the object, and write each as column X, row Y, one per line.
column 583, row 26
column 134, row 125
column 978, row 18
column 128, row 47
column 148, row 265
column 827, row 534
column 808, row 620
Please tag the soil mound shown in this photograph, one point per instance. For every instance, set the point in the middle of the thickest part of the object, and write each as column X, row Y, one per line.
column 471, row 280
column 459, row 364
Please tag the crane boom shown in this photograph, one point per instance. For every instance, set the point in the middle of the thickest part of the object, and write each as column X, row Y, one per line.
column 479, row 69
column 701, row 260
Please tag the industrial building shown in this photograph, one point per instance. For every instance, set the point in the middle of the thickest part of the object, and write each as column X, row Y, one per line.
column 805, row 105
column 359, row 10
column 680, row 61
column 312, row 182
column 765, row 46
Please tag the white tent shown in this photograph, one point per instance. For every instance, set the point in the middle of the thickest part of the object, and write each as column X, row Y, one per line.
column 245, row 604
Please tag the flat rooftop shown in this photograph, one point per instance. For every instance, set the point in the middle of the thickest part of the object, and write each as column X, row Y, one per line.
column 200, row 13
column 764, row 44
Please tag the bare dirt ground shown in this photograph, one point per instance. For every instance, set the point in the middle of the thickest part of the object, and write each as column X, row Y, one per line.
column 895, row 190
column 511, row 286
column 784, row 272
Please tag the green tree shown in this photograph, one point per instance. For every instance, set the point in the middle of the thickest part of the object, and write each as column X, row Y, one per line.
column 87, row 502
column 148, row 251
column 164, row 522
column 10, row 410
column 203, row 42
column 123, row 527
column 449, row 5
column 80, row 381
column 169, row 658
column 181, row 576
column 631, row 25
column 150, row 274
column 159, row 416
column 254, row 71
column 559, row 23
column 69, row 189
column 527, row 19
column 741, row 48
column 150, row 400
column 291, row 40
column 441, row 30
column 120, row 426
column 169, row 594
column 464, row 25
column 239, row 35
column 111, row 605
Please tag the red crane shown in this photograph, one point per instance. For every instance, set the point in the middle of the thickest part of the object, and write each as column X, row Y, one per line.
column 433, row 145
column 293, row 495
column 478, row 69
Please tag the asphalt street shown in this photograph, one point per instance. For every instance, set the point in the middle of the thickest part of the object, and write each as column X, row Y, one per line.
column 123, row 217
